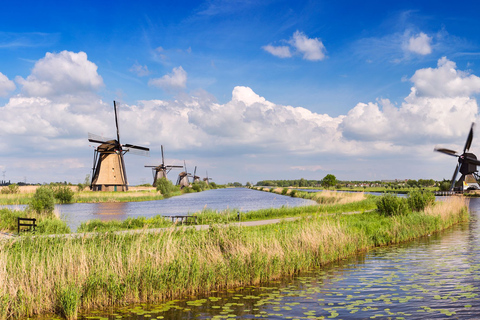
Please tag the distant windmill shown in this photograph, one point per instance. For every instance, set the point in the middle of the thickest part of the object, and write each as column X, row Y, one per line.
column 182, row 180
column 161, row 170
column 195, row 177
column 109, row 172
column 207, row 178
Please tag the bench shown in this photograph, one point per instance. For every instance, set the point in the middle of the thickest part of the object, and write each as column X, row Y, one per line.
column 182, row 219
column 30, row 223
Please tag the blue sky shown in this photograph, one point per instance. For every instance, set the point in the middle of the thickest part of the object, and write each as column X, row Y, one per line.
column 247, row 90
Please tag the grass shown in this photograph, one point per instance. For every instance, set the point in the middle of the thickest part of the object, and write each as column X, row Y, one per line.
column 61, row 275
column 46, row 223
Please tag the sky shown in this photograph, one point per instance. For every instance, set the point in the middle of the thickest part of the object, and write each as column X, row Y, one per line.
column 246, row 90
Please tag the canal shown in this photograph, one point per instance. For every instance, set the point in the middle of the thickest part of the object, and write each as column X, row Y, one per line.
column 435, row 277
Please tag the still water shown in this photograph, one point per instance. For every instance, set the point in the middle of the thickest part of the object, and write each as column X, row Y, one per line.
column 220, row 199
column 436, row 277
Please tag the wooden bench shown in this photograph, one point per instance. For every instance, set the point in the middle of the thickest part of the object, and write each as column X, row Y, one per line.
column 183, row 219
column 30, row 223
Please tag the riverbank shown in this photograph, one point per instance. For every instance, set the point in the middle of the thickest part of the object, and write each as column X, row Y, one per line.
column 107, row 269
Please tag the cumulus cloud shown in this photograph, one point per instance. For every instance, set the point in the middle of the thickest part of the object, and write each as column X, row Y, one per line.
column 438, row 108
column 6, row 85
column 175, row 80
column 311, row 48
column 420, row 43
column 61, row 73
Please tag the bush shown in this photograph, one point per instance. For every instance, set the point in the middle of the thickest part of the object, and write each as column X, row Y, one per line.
column 391, row 205
column 272, row 189
column 165, row 186
column 213, row 185
column 11, row 189
column 284, row 191
column 419, row 200
column 43, row 201
column 196, row 187
column 293, row 193
column 187, row 190
column 63, row 194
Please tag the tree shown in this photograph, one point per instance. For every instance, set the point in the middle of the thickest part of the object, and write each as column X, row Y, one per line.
column 329, row 181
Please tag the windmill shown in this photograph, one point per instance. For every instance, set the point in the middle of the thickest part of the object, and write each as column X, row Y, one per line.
column 109, row 172
column 207, row 178
column 182, row 180
column 467, row 166
column 195, row 177
column 161, row 170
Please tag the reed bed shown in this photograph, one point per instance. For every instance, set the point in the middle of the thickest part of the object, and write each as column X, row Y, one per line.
column 63, row 275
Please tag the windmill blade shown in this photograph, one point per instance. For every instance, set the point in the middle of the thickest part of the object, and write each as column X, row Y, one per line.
column 455, row 173
column 171, row 167
column 447, row 151
column 150, row 166
column 132, row 146
column 124, row 171
column 99, row 139
column 195, row 172
column 116, row 120
column 469, row 139
column 163, row 159
column 137, row 151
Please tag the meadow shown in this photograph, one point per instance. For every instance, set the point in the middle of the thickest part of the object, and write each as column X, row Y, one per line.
column 65, row 275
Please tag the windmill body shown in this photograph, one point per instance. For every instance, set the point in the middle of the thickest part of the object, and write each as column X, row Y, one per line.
column 183, row 176
column 207, row 179
column 467, row 166
column 195, row 177
column 109, row 172
column 161, row 170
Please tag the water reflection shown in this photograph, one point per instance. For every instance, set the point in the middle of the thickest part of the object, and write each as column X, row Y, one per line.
column 435, row 277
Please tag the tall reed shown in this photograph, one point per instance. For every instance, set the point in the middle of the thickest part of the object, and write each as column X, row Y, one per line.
column 40, row 275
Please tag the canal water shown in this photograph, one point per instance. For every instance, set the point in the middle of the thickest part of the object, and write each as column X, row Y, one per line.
column 241, row 199
column 436, row 277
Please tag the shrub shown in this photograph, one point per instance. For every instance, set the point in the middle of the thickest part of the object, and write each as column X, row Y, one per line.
column 293, row 193
column 272, row 189
column 63, row 194
column 187, row 190
column 284, row 191
column 419, row 200
column 213, row 185
column 43, row 201
column 390, row 205
column 165, row 186
column 11, row 189
column 196, row 187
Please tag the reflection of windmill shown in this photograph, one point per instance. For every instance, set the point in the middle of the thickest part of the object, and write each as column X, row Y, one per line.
column 207, row 178
column 195, row 177
column 467, row 166
column 109, row 172
column 161, row 170
column 182, row 180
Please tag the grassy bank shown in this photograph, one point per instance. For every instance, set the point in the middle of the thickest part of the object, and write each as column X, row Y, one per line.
column 63, row 275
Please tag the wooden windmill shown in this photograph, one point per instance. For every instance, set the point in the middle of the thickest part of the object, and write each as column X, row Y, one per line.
column 182, row 180
column 207, row 178
column 195, row 177
column 161, row 170
column 109, row 172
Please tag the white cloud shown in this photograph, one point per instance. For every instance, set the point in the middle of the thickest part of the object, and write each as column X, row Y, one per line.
column 175, row 80
column 63, row 73
column 6, row 85
column 280, row 51
column 420, row 44
column 438, row 109
column 312, row 49
column 139, row 70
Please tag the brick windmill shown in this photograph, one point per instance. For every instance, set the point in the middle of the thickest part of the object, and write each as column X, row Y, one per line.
column 109, row 172
column 161, row 170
